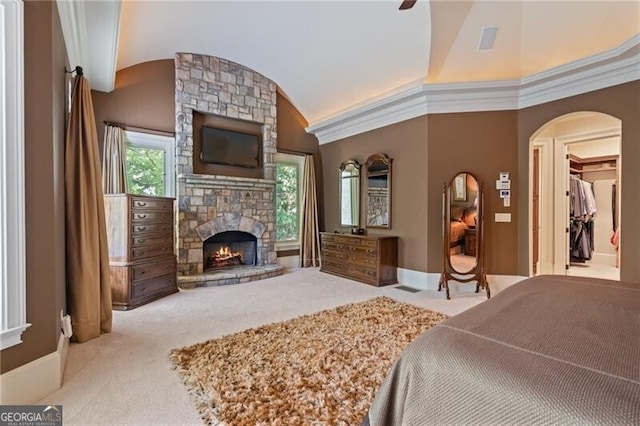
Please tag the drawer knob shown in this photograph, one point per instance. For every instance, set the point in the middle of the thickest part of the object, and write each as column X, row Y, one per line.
column 142, row 216
column 142, row 203
column 142, row 240
column 141, row 228
column 143, row 272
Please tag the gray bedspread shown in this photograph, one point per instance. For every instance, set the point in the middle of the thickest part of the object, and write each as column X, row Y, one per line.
column 548, row 350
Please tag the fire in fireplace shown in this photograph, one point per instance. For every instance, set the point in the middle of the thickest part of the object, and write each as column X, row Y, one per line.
column 230, row 248
column 225, row 257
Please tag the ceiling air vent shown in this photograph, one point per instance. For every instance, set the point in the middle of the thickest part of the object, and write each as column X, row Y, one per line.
column 487, row 38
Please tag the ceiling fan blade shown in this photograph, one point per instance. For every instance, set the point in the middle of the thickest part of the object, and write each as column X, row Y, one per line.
column 407, row 4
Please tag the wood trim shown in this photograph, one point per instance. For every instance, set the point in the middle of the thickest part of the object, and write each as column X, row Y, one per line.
column 287, row 253
column 201, row 119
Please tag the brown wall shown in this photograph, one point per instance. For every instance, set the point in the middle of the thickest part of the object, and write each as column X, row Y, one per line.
column 405, row 143
column 144, row 96
column 622, row 102
column 481, row 143
column 292, row 137
column 45, row 59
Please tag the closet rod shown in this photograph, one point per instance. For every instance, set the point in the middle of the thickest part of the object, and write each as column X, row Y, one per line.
column 134, row 128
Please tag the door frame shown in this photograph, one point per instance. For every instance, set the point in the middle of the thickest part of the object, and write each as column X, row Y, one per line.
column 561, row 240
column 545, row 244
column 553, row 198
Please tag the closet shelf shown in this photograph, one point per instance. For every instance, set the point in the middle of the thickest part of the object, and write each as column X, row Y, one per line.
column 592, row 164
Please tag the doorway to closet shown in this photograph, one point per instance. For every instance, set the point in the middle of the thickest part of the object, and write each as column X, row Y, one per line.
column 574, row 196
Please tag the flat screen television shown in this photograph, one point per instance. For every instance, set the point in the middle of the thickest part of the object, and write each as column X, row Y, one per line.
column 228, row 147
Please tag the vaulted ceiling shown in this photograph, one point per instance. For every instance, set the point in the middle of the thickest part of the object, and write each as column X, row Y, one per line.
column 329, row 57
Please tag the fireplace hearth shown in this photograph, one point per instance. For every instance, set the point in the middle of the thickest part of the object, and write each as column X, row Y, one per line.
column 229, row 249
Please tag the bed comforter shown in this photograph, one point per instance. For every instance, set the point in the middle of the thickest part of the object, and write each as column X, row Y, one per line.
column 548, row 350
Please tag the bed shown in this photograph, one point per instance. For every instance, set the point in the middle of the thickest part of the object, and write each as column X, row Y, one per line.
column 547, row 350
column 461, row 219
column 457, row 233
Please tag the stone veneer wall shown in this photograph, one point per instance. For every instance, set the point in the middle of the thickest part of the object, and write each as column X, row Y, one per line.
column 213, row 85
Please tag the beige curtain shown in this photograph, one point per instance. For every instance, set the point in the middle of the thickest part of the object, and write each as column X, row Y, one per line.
column 89, row 290
column 310, row 240
column 114, row 176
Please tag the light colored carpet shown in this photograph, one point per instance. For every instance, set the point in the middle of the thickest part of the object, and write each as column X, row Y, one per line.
column 126, row 377
column 323, row 368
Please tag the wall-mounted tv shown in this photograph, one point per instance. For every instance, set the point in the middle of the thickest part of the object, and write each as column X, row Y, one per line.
column 228, row 147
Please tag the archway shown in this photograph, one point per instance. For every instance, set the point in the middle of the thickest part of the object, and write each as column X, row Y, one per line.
column 579, row 147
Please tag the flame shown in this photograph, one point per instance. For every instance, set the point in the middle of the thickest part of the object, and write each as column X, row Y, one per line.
column 225, row 253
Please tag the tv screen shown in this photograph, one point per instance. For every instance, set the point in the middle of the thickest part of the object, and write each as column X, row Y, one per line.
column 228, row 147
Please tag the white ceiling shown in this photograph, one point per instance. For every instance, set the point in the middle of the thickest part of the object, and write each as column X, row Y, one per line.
column 329, row 56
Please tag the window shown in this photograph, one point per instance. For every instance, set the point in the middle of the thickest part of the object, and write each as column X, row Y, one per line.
column 150, row 164
column 289, row 170
column 13, row 313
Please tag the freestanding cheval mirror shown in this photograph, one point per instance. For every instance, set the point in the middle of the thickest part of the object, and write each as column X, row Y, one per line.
column 462, row 233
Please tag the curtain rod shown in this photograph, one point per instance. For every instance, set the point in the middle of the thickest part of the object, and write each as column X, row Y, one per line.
column 131, row 127
column 290, row 151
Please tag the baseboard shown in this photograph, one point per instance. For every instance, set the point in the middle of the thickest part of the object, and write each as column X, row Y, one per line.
column 603, row 259
column 430, row 280
column 31, row 382
column 289, row 262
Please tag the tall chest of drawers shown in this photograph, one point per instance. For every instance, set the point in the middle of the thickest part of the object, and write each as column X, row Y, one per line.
column 368, row 259
column 142, row 259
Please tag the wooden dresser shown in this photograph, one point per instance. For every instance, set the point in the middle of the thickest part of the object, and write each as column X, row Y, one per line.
column 141, row 239
column 369, row 259
column 470, row 241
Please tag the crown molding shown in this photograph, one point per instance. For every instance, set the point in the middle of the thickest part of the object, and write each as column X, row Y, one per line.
column 92, row 26
column 400, row 106
column 616, row 66
column 613, row 67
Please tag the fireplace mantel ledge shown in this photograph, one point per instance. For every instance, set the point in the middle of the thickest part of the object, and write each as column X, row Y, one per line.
column 219, row 180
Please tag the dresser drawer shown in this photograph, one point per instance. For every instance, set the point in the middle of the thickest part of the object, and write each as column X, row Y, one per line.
column 363, row 271
column 141, row 253
column 151, row 216
column 345, row 239
column 331, row 253
column 333, row 265
column 369, row 243
column 147, row 288
column 151, row 240
column 358, row 256
column 151, row 203
column 139, row 228
column 156, row 268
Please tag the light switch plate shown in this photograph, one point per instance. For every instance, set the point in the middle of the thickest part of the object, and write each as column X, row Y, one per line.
column 503, row 217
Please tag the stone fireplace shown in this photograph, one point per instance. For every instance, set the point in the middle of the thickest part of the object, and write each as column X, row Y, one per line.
column 209, row 204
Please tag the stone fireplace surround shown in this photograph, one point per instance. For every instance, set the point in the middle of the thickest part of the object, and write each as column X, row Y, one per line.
column 210, row 204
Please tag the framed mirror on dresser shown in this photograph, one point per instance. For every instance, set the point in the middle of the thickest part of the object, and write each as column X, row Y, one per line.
column 463, row 233
column 349, row 190
column 378, row 191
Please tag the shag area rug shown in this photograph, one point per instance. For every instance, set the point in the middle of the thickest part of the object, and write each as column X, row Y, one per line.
column 323, row 368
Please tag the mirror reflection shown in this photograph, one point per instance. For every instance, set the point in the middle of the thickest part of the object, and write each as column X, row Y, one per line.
column 350, row 194
column 378, row 169
column 463, row 215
